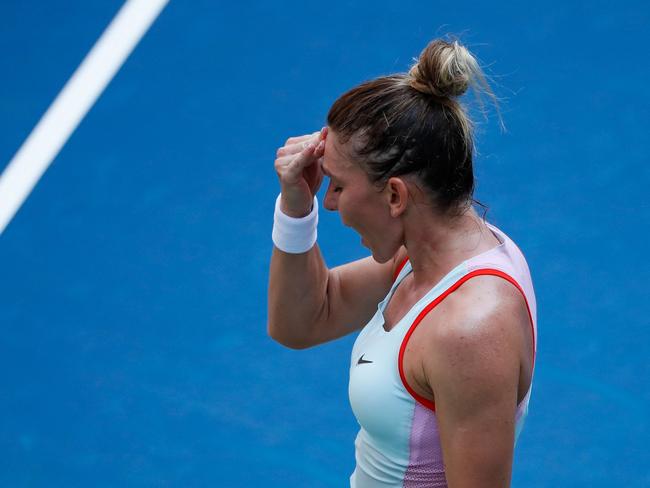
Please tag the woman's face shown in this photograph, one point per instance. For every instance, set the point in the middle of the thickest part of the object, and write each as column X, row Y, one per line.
column 360, row 204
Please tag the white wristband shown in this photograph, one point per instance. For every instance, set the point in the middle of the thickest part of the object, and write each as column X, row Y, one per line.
column 294, row 235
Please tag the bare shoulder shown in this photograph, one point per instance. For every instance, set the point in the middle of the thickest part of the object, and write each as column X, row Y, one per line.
column 477, row 338
column 483, row 308
column 482, row 302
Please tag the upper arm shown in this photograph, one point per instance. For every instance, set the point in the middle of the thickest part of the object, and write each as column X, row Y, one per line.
column 353, row 292
column 473, row 370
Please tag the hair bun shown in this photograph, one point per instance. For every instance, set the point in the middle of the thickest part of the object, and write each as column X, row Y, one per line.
column 444, row 70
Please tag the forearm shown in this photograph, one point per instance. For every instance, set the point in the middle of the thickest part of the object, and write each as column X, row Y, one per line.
column 297, row 298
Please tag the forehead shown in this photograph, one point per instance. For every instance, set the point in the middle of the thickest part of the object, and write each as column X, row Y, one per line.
column 337, row 161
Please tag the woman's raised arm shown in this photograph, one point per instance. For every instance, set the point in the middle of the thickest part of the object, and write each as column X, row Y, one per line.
column 309, row 304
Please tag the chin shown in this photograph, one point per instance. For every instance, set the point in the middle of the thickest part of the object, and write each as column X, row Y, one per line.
column 377, row 255
column 380, row 258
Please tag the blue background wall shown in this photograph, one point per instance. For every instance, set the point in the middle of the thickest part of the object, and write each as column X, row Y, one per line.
column 133, row 280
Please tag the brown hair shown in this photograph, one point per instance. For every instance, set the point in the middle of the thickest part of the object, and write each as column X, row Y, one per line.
column 414, row 124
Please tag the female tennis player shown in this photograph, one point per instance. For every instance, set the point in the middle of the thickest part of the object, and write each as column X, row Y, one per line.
column 441, row 371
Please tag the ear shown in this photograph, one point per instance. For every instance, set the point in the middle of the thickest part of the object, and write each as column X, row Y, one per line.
column 397, row 193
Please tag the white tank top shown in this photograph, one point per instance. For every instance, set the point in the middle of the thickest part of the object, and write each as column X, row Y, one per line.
column 398, row 444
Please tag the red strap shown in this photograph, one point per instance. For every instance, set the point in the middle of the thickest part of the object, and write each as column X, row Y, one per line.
column 487, row 271
column 399, row 267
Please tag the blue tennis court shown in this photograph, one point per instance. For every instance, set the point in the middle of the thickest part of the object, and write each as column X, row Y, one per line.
column 133, row 279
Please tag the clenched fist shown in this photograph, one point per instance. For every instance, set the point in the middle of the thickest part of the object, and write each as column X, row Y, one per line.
column 298, row 165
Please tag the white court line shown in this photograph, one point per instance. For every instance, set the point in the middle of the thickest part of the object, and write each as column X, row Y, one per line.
column 73, row 103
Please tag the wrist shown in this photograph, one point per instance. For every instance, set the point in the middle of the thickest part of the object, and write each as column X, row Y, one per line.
column 294, row 204
column 290, row 211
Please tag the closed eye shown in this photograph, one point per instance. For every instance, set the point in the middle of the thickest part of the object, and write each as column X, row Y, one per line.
column 334, row 187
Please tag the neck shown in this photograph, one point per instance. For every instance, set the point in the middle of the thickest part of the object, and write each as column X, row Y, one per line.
column 437, row 244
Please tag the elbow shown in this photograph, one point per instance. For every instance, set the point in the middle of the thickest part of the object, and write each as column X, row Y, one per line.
column 286, row 340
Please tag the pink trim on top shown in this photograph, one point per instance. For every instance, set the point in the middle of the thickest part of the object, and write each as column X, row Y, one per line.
column 479, row 272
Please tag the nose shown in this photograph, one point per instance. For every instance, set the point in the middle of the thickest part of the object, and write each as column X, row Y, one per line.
column 330, row 201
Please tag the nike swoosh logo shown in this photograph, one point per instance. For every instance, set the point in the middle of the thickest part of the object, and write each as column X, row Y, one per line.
column 363, row 361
